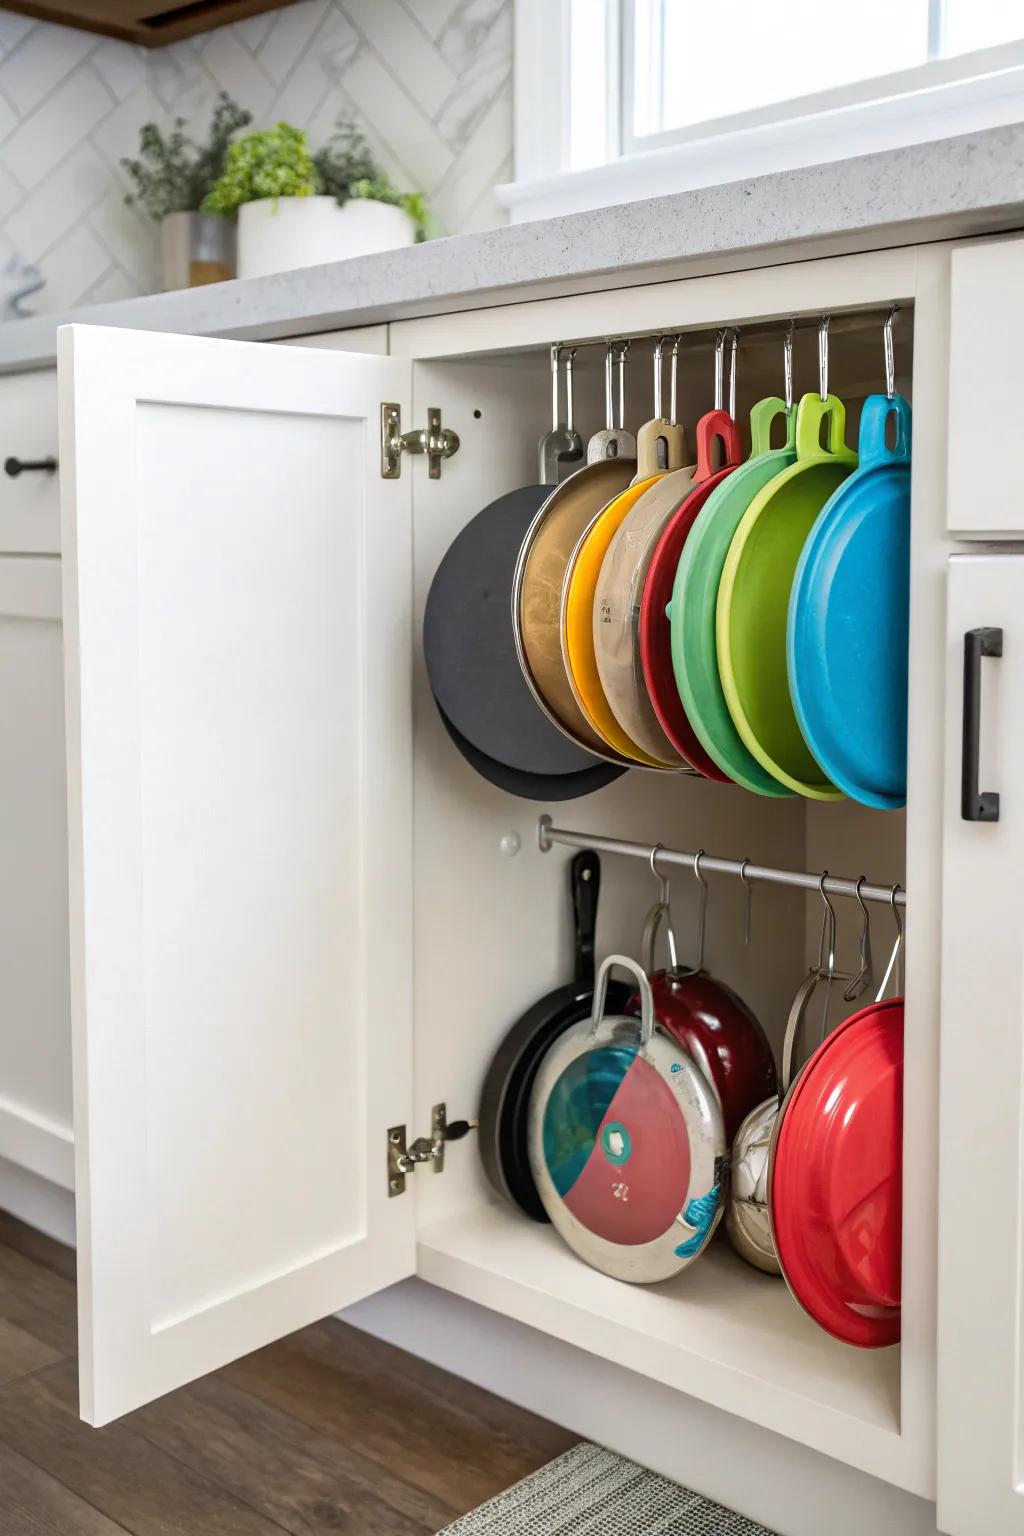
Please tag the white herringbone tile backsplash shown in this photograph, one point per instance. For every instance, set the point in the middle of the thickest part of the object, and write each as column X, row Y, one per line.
column 429, row 81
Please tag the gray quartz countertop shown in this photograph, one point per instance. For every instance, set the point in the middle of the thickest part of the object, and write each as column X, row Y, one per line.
column 948, row 188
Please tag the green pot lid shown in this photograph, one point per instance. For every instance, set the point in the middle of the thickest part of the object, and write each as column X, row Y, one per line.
column 753, row 598
column 695, row 599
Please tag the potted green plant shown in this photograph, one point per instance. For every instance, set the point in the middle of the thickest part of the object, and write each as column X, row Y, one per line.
column 171, row 179
column 297, row 209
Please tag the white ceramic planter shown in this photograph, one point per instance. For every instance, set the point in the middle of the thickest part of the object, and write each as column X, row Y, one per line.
column 278, row 234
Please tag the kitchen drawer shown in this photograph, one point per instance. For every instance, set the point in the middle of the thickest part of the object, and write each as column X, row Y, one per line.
column 985, row 487
column 30, row 501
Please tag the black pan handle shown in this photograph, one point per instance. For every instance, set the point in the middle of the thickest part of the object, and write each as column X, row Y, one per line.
column 976, row 804
column 585, row 873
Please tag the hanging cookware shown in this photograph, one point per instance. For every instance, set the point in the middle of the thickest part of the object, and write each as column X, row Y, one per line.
column 835, row 1176
column 849, row 623
column 695, row 592
column 616, row 605
column 627, row 1145
column 532, row 786
column 660, row 450
column 716, row 427
column 543, row 559
column 748, row 1215
column 753, row 596
column 707, row 1018
column 505, row 1097
column 562, row 445
column 469, row 643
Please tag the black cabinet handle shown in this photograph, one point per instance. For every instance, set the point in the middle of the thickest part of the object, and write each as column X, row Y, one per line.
column 15, row 466
column 976, row 804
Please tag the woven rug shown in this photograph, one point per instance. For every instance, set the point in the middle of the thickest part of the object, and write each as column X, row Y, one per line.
column 592, row 1492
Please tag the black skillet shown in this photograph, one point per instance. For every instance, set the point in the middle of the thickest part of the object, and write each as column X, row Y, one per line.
column 532, row 786
column 505, row 1100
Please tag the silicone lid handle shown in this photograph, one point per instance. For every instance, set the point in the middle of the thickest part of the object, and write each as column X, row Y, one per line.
column 810, row 414
column 874, row 427
column 720, row 425
column 762, row 418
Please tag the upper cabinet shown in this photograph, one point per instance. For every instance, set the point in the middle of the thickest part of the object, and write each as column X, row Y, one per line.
column 237, row 579
column 985, row 491
column 149, row 22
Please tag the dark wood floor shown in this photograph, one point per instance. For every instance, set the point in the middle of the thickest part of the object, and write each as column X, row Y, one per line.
column 327, row 1431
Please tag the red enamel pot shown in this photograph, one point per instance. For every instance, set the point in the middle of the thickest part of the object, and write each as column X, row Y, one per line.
column 655, row 629
column 835, row 1180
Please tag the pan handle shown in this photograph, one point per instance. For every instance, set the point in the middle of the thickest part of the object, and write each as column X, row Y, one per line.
column 585, row 880
column 639, row 975
column 976, row 804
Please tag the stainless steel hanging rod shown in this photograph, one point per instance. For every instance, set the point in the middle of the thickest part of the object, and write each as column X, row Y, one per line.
column 844, row 319
column 834, row 885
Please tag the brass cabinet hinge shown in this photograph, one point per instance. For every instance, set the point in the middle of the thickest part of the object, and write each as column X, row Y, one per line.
column 435, row 441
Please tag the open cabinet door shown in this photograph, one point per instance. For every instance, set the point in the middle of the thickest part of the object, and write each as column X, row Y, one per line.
column 237, row 596
column 980, row 1469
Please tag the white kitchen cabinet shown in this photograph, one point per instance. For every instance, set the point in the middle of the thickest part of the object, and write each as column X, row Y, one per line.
column 274, row 962
column 981, row 1163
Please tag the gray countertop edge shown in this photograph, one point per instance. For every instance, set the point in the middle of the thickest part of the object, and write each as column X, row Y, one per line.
column 948, row 188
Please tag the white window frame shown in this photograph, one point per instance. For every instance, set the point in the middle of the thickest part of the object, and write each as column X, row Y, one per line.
column 938, row 99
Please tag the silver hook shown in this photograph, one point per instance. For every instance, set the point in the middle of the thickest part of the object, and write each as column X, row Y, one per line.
column 719, row 368
column 609, row 394
column 658, row 350
column 569, row 356
column 897, row 947
column 748, row 894
column 787, row 364
column 890, row 357
column 860, row 981
column 702, row 921
column 734, row 347
column 663, row 909
column 674, row 382
column 823, row 325
column 622, row 349
column 826, row 971
column 556, row 354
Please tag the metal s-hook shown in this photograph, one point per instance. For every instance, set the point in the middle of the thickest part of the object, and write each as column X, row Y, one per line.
column 890, row 356
column 823, row 325
column 897, row 947
column 826, row 952
column 673, row 408
column 622, row 348
column 863, row 975
column 660, row 912
column 748, row 901
column 734, row 346
column 719, row 369
column 702, row 920
column 787, row 364
column 659, row 348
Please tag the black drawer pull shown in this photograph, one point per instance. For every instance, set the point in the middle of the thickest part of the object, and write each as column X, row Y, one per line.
column 15, row 467
column 976, row 804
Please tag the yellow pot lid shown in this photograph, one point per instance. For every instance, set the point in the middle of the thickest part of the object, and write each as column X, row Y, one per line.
column 578, row 594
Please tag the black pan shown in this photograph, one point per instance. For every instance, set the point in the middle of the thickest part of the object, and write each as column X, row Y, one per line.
column 505, row 1100
column 470, row 649
column 533, row 786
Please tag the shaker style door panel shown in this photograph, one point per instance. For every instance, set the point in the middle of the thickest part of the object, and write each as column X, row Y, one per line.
column 237, row 580
column 35, row 1030
column 981, row 1127
column 985, row 490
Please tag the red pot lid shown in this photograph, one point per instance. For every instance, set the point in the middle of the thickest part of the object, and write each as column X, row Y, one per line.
column 836, row 1180
column 655, row 629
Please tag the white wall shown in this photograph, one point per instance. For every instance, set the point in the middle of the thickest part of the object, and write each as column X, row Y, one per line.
column 430, row 81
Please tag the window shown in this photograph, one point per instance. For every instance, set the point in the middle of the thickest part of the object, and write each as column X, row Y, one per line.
column 641, row 96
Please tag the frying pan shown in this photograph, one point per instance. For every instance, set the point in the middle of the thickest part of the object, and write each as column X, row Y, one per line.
column 468, row 640
column 848, row 627
column 505, row 1097
column 616, row 613
column 695, row 598
column 532, row 786
column 537, row 593
column 655, row 629
column 753, row 598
